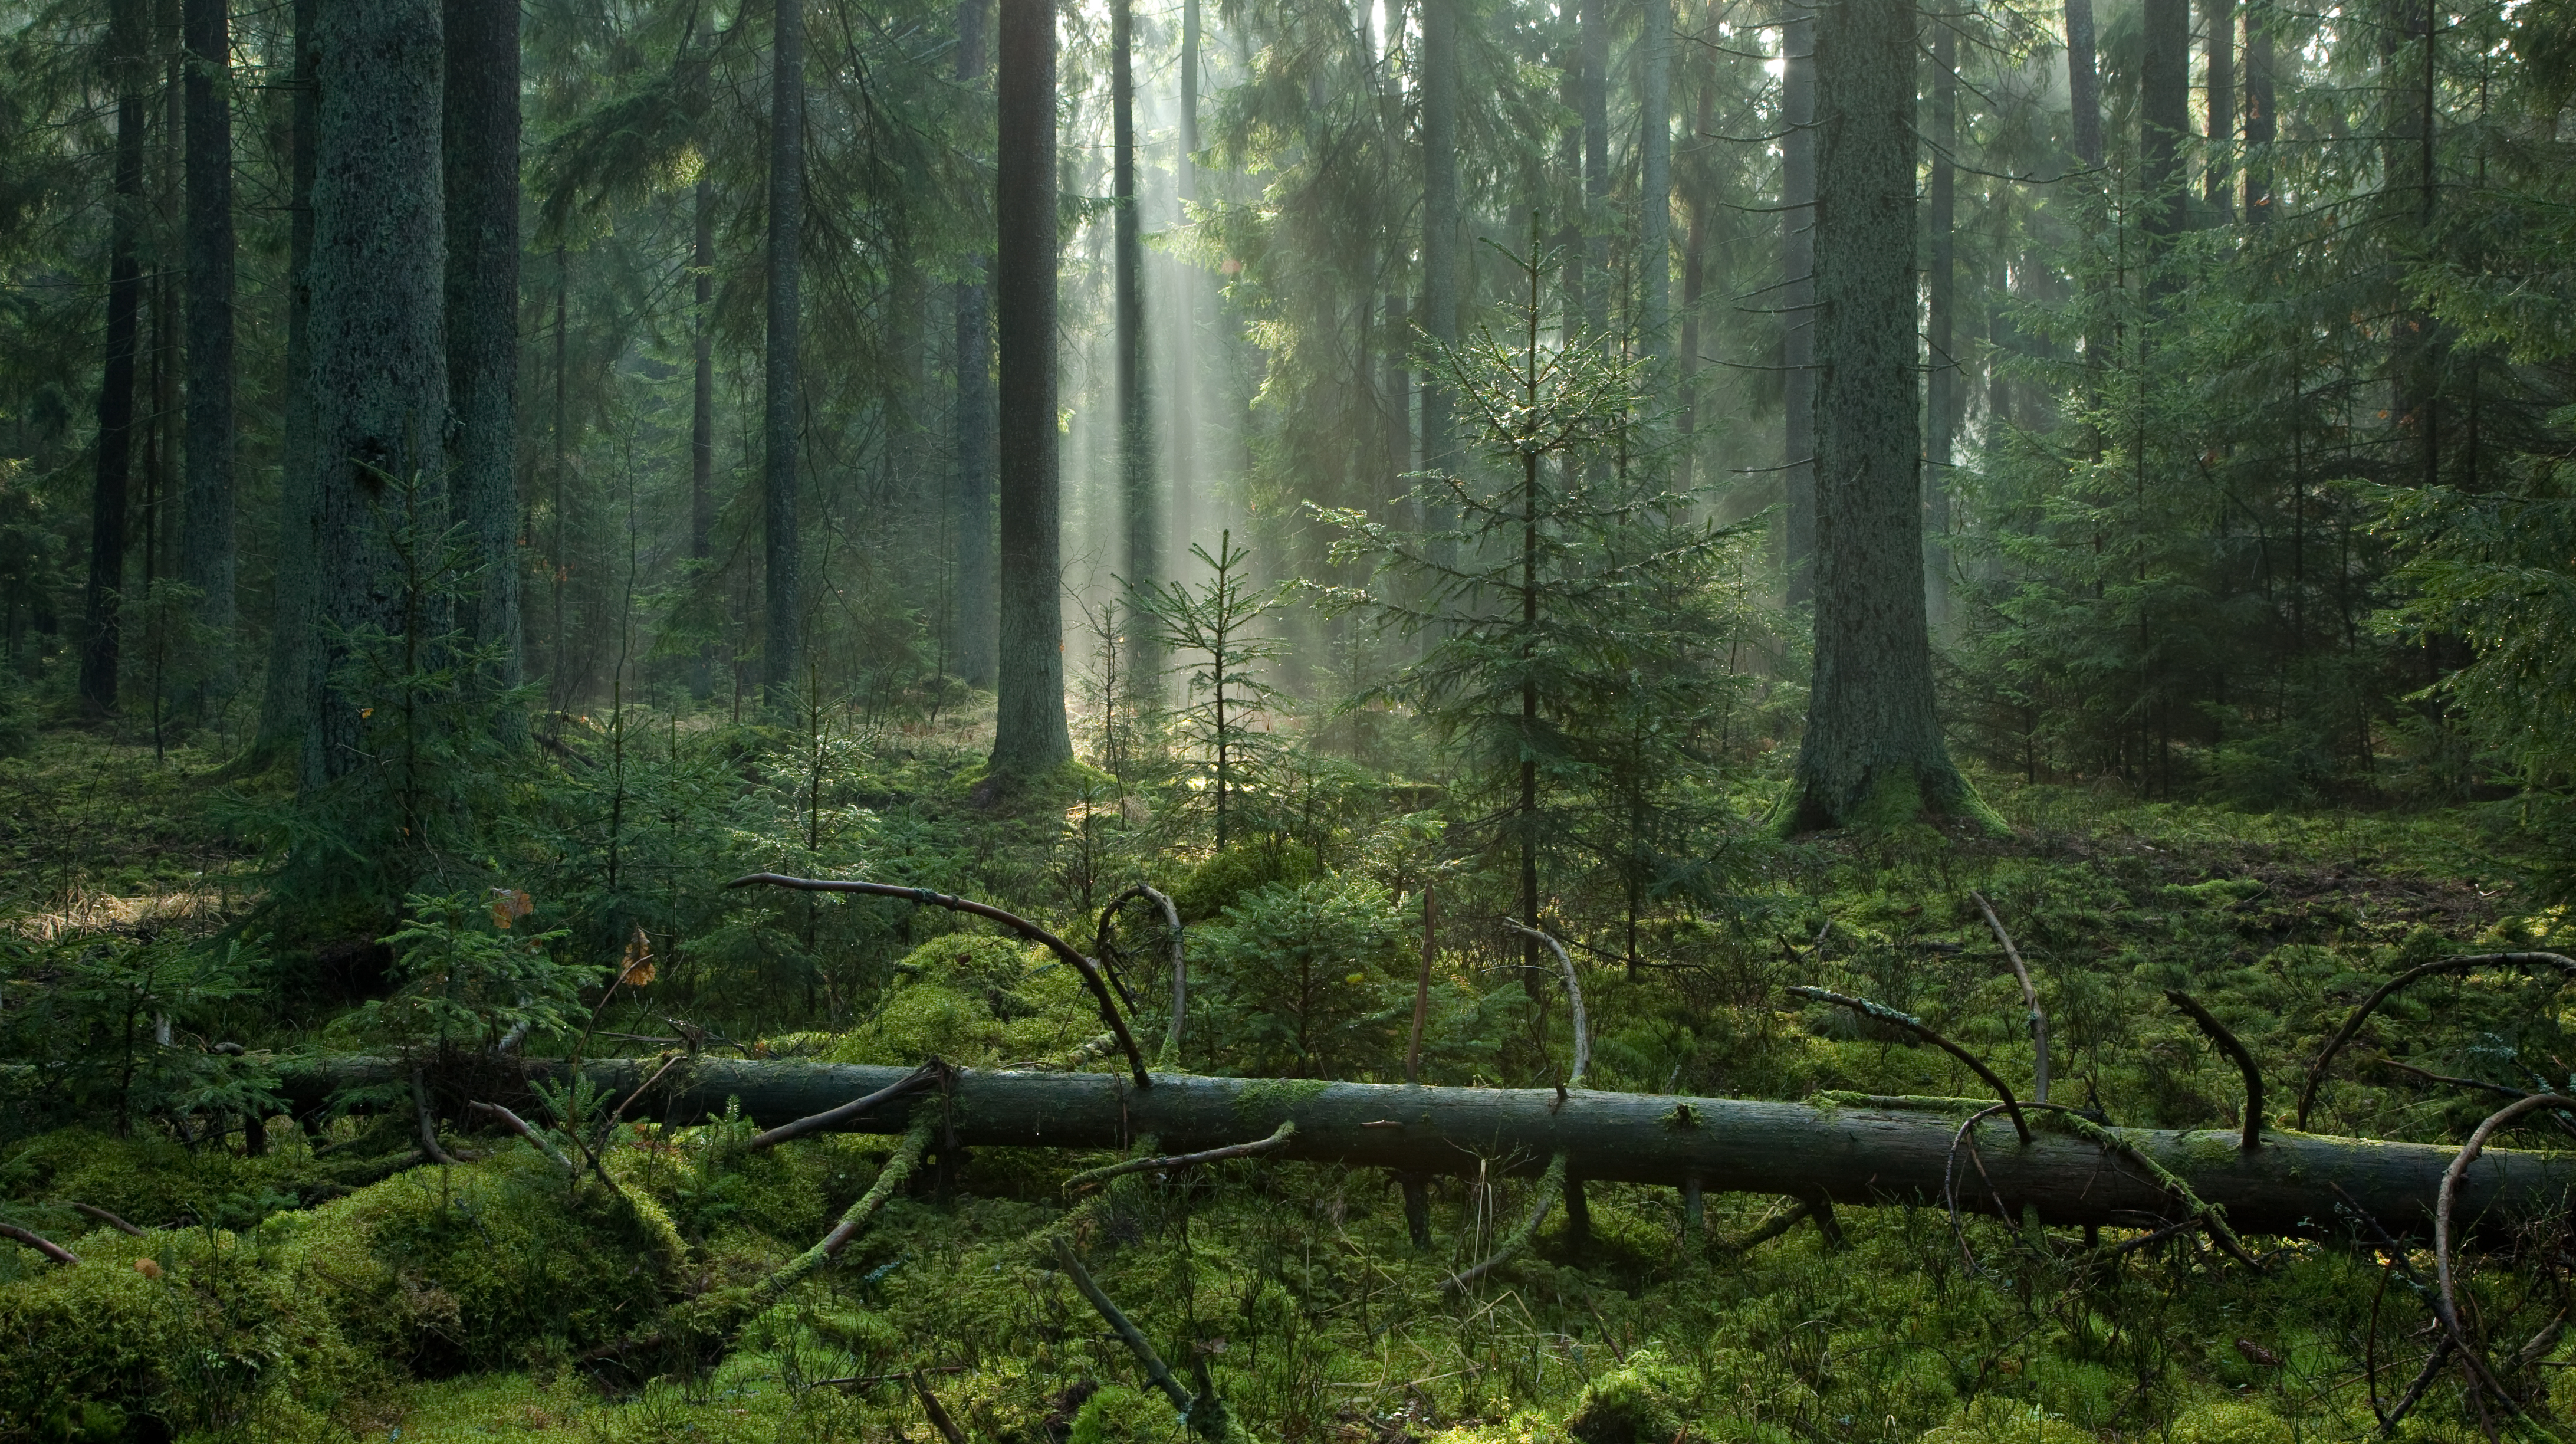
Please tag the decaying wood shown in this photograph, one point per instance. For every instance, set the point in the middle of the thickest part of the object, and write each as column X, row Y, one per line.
column 91, row 1210
column 40, row 1244
column 1880, row 1151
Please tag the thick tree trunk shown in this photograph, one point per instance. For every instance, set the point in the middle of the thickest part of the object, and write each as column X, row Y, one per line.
column 1183, row 421
column 782, row 619
column 1873, row 752
column 1595, row 101
column 1694, row 281
column 1142, row 508
column 2261, row 126
column 2083, row 84
column 480, row 147
column 2218, row 21
column 702, row 410
column 1856, row 1154
column 379, row 364
column 286, row 703
column 1797, row 303
column 2419, row 350
column 1439, row 215
column 1029, row 732
column 974, row 412
column 2164, row 118
column 1941, row 380
column 206, row 551
column 1655, row 190
column 101, row 628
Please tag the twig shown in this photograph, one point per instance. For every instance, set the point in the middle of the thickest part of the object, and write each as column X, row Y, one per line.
column 2415, row 1391
column 1770, row 1228
column 520, row 1126
column 111, row 1220
column 1918, row 1028
column 1089, row 970
column 1098, row 1176
column 1180, row 958
column 640, row 1092
column 2480, row 1085
column 2445, row 1296
column 928, row 1073
column 1574, row 995
column 428, row 1122
column 1206, row 1416
column 2352, row 1025
column 1550, row 1184
column 2227, row 1043
column 47, row 1247
column 2029, row 998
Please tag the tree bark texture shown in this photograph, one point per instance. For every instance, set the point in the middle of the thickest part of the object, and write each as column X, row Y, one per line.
column 378, row 362
column 1142, row 509
column 1439, row 216
column 2164, row 117
column 101, row 630
column 2261, row 126
column 782, row 416
column 1029, row 732
column 2083, row 84
column 1594, row 93
column 2218, row 22
column 1873, row 751
column 286, row 702
column 1855, row 1154
column 702, row 409
column 207, row 558
column 1655, row 189
column 974, row 412
column 1941, row 378
column 480, row 152
column 1797, row 301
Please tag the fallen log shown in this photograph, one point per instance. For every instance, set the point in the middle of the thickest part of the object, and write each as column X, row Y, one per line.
column 1860, row 1152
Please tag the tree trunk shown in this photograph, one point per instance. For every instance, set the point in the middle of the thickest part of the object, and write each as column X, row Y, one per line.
column 1694, row 278
column 1142, row 509
column 378, row 361
column 1655, row 191
column 480, row 147
column 1595, row 101
column 973, row 416
column 2218, row 18
column 102, row 630
column 1185, row 293
column 286, row 704
column 2419, row 349
column 1941, row 380
column 2164, row 118
column 782, row 619
column 1873, row 752
column 2261, row 126
column 1440, row 225
column 1852, row 1154
column 1797, row 303
column 702, row 410
column 1029, row 732
column 206, row 552
column 2083, row 84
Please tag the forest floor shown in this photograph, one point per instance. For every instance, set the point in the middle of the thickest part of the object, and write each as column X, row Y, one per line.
column 331, row 1294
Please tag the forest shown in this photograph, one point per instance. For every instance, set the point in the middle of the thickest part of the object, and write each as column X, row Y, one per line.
column 1742, row 721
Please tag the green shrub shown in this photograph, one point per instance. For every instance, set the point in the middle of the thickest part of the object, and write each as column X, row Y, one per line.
column 1305, row 980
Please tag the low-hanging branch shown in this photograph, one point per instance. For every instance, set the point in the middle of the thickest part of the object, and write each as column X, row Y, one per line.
column 1858, row 1152
column 1075, row 957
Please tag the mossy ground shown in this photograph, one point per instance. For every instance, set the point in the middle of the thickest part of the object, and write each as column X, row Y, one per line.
column 301, row 1295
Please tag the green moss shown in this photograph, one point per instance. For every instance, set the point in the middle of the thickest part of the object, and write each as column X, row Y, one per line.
column 1632, row 1405
column 1116, row 1415
column 1221, row 881
column 1265, row 1101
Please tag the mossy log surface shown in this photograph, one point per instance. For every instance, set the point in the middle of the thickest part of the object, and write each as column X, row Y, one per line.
column 2292, row 1184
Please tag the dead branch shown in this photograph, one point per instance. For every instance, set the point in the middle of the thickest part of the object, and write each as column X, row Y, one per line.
column 521, row 1127
column 2352, row 1025
column 1098, row 1176
column 428, row 1122
column 938, row 1413
column 2226, row 1043
column 1574, row 996
column 897, row 1168
column 1550, row 1184
column 111, row 1220
column 2029, row 998
column 1180, row 958
column 1920, row 1029
column 1081, row 964
column 1206, row 1416
column 2446, row 1297
column 45, row 1246
column 833, row 1118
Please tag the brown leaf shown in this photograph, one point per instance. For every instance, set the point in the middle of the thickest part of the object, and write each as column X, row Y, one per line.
column 2256, row 1353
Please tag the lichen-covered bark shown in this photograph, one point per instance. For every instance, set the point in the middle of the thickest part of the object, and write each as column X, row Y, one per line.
column 1873, row 751
column 378, row 369
column 481, row 153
